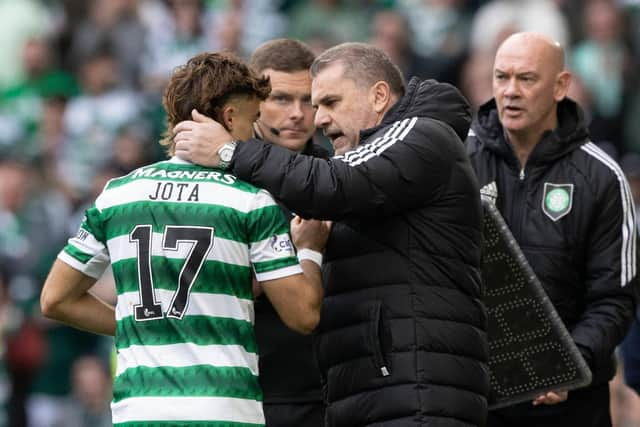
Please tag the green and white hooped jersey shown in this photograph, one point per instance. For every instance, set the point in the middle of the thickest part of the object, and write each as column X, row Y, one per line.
column 182, row 240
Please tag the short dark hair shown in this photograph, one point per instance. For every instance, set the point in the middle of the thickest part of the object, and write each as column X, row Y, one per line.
column 363, row 63
column 286, row 55
column 206, row 82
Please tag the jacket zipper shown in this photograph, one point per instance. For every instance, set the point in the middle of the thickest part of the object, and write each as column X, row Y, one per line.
column 517, row 211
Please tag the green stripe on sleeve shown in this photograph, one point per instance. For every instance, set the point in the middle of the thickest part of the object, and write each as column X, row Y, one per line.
column 77, row 254
column 276, row 264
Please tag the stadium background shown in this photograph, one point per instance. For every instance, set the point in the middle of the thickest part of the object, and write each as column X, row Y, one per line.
column 80, row 102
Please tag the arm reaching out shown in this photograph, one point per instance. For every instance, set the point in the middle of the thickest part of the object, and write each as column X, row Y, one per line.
column 370, row 181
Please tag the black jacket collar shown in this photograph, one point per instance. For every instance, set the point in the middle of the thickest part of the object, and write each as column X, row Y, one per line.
column 431, row 99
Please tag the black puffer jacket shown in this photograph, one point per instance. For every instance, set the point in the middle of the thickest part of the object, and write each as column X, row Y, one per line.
column 580, row 240
column 402, row 339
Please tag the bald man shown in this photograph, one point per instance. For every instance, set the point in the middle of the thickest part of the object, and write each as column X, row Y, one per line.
column 568, row 205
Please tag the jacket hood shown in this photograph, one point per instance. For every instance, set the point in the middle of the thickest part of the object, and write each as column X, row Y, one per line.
column 434, row 100
column 571, row 132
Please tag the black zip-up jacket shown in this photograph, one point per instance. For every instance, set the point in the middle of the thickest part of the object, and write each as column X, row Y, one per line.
column 402, row 337
column 580, row 239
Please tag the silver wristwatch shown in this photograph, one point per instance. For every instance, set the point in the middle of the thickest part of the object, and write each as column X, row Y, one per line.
column 226, row 153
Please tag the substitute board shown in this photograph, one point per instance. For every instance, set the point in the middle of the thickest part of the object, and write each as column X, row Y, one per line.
column 530, row 350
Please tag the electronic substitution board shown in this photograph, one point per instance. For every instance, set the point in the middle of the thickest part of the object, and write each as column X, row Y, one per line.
column 530, row 350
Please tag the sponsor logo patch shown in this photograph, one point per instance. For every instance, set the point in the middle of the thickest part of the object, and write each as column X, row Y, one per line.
column 281, row 243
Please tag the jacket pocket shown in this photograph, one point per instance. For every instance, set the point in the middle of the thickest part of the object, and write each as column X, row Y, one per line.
column 376, row 336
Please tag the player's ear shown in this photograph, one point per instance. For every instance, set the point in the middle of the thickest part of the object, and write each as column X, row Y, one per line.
column 228, row 115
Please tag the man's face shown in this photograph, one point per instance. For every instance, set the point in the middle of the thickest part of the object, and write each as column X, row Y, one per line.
column 288, row 109
column 246, row 111
column 343, row 109
column 523, row 86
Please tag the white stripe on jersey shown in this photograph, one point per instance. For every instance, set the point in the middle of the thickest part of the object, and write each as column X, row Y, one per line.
column 94, row 268
column 186, row 354
column 208, row 193
column 628, row 250
column 397, row 132
column 188, row 408
column 223, row 250
column 198, row 304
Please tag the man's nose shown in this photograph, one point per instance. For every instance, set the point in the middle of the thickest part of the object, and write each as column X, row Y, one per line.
column 296, row 111
column 322, row 118
column 512, row 88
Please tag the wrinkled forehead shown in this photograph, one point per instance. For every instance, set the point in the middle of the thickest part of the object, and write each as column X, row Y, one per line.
column 331, row 81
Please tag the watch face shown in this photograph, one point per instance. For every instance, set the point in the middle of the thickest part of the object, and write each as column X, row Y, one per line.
column 226, row 154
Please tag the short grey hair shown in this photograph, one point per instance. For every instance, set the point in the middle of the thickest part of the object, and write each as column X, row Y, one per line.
column 363, row 63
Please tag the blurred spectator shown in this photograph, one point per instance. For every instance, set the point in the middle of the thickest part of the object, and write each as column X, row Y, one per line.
column 476, row 78
column 22, row 105
column 390, row 32
column 440, row 33
column 91, row 386
column 93, row 120
column 497, row 19
column 7, row 326
column 244, row 24
column 603, row 53
column 175, row 33
column 131, row 150
column 115, row 22
column 30, row 212
column 336, row 20
column 49, row 397
column 19, row 21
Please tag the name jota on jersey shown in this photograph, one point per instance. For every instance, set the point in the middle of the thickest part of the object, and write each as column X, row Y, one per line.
column 180, row 191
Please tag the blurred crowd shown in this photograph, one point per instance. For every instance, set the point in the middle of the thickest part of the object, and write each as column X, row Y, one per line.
column 81, row 84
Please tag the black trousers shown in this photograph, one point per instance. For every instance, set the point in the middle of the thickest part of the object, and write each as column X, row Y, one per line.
column 308, row 414
column 584, row 408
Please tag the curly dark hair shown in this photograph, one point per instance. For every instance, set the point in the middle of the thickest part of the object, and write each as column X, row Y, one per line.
column 206, row 82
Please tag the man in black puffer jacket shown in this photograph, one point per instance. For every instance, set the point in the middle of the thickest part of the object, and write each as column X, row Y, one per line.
column 402, row 340
column 568, row 205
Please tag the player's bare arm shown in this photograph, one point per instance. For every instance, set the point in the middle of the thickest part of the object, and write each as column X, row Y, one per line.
column 298, row 298
column 65, row 297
